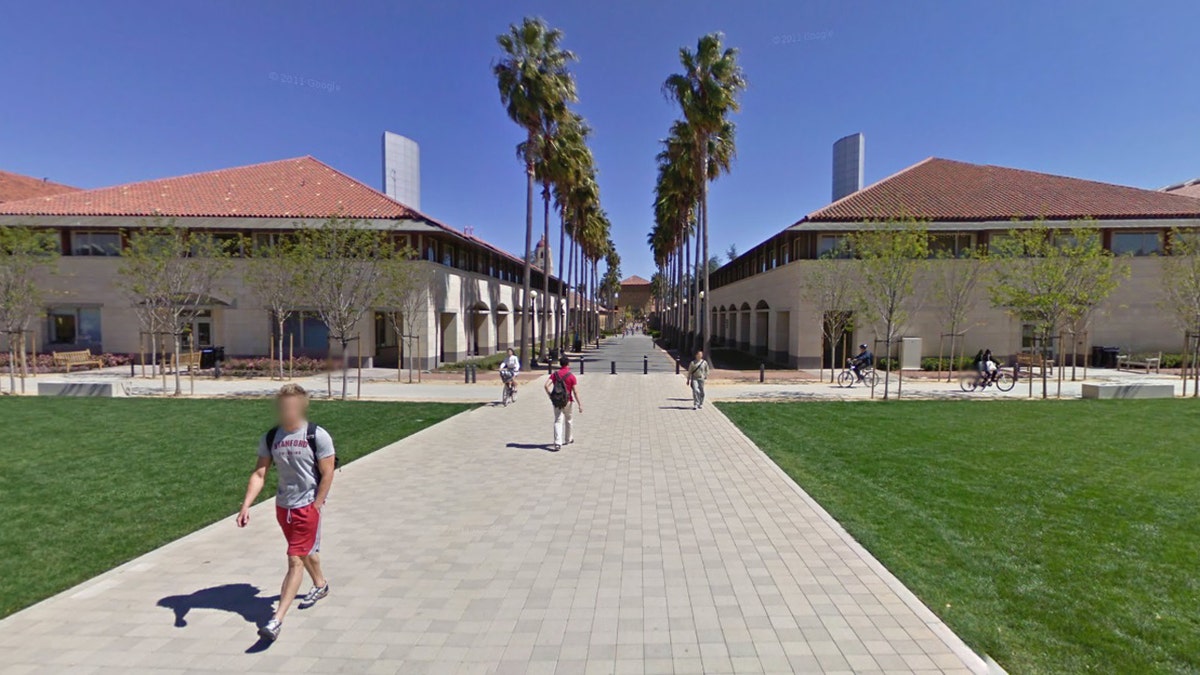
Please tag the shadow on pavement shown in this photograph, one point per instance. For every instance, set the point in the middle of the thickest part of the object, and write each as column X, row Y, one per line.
column 548, row 447
column 240, row 599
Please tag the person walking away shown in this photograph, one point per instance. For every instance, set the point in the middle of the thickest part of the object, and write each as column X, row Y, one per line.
column 304, row 459
column 563, row 389
column 696, row 375
column 509, row 368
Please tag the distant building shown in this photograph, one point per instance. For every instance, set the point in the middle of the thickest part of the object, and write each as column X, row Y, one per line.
column 1189, row 188
column 849, row 154
column 542, row 257
column 757, row 305
column 402, row 169
column 474, row 306
column 636, row 296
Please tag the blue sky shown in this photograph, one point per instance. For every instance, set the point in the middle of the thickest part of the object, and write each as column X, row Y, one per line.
column 97, row 94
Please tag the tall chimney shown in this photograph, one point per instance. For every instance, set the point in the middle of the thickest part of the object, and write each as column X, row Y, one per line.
column 402, row 169
column 848, row 154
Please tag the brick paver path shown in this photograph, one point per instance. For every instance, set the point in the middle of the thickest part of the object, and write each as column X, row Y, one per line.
column 662, row 541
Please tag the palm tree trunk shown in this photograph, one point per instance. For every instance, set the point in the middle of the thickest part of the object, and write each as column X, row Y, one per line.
column 702, row 306
column 559, row 319
column 545, row 264
column 696, row 288
column 525, row 308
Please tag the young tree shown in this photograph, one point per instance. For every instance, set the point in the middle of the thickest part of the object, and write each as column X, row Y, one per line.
column 1181, row 287
column 272, row 275
column 24, row 253
column 891, row 255
column 1046, row 277
column 1095, row 274
column 955, row 280
column 340, row 265
column 405, row 286
column 830, row 288
column 172, row 272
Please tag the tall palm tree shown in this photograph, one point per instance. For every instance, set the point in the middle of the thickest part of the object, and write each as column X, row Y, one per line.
column 535, row 88
column 707, row 91
column 571, row 175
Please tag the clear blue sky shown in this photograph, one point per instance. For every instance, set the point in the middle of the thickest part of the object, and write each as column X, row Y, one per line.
column 98, row 93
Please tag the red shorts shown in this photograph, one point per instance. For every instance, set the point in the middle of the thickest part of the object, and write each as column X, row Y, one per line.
column 301, row 528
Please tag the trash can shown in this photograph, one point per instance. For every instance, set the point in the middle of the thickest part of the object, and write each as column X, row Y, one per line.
column 1097, row 356
column 1110, row 357
column 208, row 358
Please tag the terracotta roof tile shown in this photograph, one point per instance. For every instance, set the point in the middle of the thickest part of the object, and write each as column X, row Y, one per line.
column 946, row 190
column 292, row 188
column 635, row 280
column 15, row 187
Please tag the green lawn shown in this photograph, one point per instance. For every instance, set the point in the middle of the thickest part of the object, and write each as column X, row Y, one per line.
column 90, row 483
column 1058, row 537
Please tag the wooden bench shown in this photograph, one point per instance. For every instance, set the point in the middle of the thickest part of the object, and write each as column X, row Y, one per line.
column 187, row 360
column 82, row 357
column 1028, row 362
column 1129, row 362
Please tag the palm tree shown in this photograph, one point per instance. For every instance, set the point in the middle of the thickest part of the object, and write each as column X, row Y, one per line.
column 535, row 88
column 707, row 92
column 570, row 173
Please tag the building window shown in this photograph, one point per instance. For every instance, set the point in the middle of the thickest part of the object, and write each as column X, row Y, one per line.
column 832, row 246
column 96, row 243
column 201, row 329
column 74, row 326
column 1136, row 243
column 950, row 244
column 306, row 334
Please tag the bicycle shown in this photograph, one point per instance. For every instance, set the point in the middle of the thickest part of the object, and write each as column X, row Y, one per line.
column 847, row 378
column 509, row 393
column 1004, row 380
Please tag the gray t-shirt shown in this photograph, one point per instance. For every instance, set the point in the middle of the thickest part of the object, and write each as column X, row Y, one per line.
column 295, row 464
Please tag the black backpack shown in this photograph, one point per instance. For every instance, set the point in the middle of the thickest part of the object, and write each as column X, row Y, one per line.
column 310, row 436
column 558, row 393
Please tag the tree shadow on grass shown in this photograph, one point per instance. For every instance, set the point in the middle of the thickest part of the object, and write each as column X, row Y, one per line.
column 240, row 599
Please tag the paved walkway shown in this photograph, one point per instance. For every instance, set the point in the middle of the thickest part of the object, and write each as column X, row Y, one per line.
column 662, row 541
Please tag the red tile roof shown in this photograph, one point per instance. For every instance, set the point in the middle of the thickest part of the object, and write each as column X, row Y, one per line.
column 291, row 188
column 945, row 190
column 635, row 280
column 1188, row 189
column 15, row 187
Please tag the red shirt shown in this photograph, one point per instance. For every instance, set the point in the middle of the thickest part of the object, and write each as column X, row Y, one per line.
column 568, row 380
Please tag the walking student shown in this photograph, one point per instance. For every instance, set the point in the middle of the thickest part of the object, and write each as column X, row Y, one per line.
column 304, row 459
column 563, row 390
column 696, row 375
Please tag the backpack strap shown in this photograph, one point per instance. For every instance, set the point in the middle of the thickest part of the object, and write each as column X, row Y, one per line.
column 271, row 438
column 310, row 436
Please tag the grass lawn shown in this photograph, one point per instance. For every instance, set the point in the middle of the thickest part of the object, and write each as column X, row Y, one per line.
column 1058, row 537
column 91, row 483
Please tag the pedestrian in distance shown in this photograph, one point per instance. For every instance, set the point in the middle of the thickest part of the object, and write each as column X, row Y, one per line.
column 305, row 460
column 563, row 389
column 697, row 373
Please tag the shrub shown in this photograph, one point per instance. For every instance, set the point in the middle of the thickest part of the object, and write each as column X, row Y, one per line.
column 491, row 362
column 933, row 363
column 262, row 366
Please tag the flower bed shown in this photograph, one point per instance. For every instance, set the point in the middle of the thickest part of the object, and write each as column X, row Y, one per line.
column 45, row 362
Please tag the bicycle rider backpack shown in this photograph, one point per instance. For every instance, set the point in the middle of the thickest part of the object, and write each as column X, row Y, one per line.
column 558, row 393
column 310, row 437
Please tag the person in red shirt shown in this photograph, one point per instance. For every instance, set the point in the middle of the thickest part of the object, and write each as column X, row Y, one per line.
column 563, row 390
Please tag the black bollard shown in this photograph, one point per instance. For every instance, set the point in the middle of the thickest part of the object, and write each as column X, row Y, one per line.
column 612, row 367
column 676, row 366
column 131, row 371
column 474, row 373
column 581, row 365
column 762, row 372
column 467, row 374
column 645, row 365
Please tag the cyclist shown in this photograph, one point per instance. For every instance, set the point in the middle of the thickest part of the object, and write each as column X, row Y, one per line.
column 509, row 368
column 864, row 359
column 989, row 368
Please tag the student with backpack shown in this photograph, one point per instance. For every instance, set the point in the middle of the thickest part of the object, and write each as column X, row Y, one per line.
column 305, row 460
column 563, row 390
column 697, row 373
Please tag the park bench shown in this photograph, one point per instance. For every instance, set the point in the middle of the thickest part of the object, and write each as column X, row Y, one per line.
column 1028, row 361
column 1129, row 362
column 82, row 357
column 186, row 361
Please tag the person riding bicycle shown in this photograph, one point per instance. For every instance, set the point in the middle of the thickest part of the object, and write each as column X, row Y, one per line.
column 864, row 359
column 509, row 368
column 990, row 369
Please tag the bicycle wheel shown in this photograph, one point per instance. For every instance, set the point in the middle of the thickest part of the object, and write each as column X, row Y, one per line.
column 1005, row 381
column 846, row 379
column 968, row 382
column 871, row 379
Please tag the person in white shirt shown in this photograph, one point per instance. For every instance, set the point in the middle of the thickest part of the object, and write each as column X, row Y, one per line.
column 509, row 368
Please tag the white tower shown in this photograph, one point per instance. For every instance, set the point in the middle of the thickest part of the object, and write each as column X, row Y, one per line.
column 848, row 155
column 402, row 169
